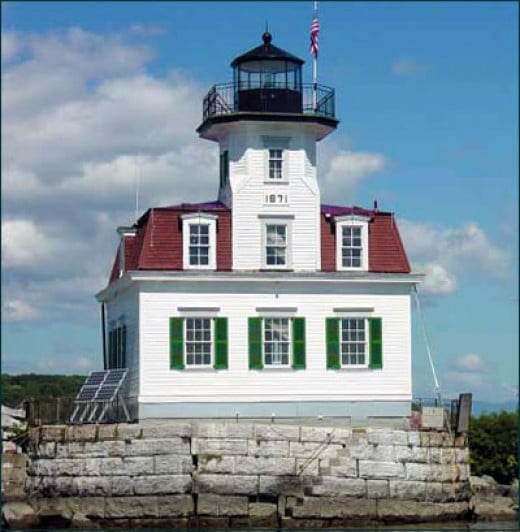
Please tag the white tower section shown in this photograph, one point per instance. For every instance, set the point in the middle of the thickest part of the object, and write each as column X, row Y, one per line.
column 267, row 133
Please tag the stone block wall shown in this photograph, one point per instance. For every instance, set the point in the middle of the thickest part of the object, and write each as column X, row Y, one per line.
column 239, row 474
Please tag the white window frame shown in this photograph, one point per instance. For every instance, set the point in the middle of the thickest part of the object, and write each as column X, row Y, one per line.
column 200, row 219
column 290, row 342
column 287, row 222
column 280, row 159
column 212, row 341
column 276, row 143
column 366, row 342
column 352, row 221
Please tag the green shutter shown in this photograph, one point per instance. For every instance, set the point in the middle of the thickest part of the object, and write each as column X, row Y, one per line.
column 255, row 343
column 221, row 343
column 176, row 343
column 123, row 347
column 298, row 333
column 332, row 339
column 376, row 343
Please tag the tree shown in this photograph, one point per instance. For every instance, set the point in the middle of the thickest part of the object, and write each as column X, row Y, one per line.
column 493, row 444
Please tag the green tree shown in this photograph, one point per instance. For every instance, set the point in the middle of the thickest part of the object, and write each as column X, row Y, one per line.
column 17, row 388
column 493, row 444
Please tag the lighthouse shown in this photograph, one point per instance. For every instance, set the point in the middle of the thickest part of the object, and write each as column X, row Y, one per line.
column 267, row 124
column 263, row 302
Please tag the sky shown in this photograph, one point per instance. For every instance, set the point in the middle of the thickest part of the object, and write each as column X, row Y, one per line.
column 97, row 96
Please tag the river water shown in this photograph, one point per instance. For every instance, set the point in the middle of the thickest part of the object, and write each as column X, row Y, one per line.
column 456, row 526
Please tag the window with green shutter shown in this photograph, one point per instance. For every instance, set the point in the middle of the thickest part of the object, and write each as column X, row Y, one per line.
column 376, row 343
column 221, row 343
column 298, row 330
column 332, row 341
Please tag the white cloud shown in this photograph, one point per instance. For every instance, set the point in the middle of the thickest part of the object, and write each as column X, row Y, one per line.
column 81, row 123
column 11, row 45
column 344, row 171
column 406, row 66
column 470, row 362
column 446, row 253
column 437, row 280
column 17, row 310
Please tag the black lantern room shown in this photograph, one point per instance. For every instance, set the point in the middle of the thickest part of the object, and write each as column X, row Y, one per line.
column 267, row 86
column 268, row 79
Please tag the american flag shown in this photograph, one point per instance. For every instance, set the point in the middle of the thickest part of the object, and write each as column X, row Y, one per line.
column 315, row 29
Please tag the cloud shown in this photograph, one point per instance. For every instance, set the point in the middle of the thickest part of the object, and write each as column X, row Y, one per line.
column 470, row 362
column 17, row 310
column 437, row 279
column 446, row 253
column 11, row 45
column 405, row 66
column 81, row 125
column 344, row 170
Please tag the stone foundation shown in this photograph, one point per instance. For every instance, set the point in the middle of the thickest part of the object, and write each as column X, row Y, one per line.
column 244, row 475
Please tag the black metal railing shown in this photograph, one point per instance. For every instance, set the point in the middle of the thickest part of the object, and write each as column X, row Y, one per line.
column 450, row 406
column 308, row 99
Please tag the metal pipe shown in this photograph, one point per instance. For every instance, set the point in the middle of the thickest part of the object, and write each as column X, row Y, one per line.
column 104, row 335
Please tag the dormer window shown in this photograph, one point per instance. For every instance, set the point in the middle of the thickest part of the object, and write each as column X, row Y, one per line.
column 199, row 241
column 352, row 243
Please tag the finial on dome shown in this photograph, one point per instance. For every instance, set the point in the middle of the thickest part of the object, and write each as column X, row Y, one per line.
column 267, row 37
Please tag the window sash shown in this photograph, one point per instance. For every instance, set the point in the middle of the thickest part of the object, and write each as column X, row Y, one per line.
column 277, row 342
column 351, row 246
column 198, row 342
column 275, row 245
column 353, row 342
column 275, row 163
column 199, row 244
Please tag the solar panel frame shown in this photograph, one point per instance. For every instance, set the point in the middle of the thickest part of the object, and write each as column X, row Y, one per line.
column 101, row 386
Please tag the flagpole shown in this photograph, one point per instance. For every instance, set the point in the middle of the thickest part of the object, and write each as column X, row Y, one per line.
column 315, row 64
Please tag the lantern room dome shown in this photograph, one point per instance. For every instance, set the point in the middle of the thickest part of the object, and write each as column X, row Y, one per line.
column 267, row 57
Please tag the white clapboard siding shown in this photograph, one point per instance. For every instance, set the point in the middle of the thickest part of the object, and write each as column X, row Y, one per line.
column 125, row 309
column 161, row 384
column 248, row 156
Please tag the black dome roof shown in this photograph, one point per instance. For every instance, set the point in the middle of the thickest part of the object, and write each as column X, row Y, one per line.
column 266, row 52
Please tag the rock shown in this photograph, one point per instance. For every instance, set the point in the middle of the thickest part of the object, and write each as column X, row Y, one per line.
column 494, row 508
column 20, row 515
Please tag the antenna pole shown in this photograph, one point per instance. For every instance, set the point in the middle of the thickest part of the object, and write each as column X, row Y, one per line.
column 137, row 184
column 430, row 358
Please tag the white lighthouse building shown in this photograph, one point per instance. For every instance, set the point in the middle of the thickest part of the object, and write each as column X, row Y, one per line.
column 265, row 302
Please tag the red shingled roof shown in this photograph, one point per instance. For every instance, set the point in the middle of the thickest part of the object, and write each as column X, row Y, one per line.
column 157, row 244
column 386, row 253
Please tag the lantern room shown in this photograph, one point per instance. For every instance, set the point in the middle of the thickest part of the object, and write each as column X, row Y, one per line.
column 268, row 79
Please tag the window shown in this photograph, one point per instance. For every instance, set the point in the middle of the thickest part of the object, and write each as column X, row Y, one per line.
column 117, row 348
column 199, row 241
column 199, row 245
column 351, row 246
column 352, row 242
column 275, row 163
column 276, row 245
column 224, row 168
column 276, row 342
column 354, row 342
column 198, row 342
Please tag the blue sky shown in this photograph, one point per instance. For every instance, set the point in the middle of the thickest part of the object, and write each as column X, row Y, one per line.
column 96, row 94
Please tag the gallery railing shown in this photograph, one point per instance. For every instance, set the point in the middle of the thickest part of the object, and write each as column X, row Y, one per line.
column 307, row 99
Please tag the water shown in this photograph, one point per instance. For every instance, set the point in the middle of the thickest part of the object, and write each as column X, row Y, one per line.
column 456, row 526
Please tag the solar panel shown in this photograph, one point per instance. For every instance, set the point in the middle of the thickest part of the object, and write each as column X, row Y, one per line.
column 95, row 378
column 107, row 392
column 100, row 387
column 87, row 393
